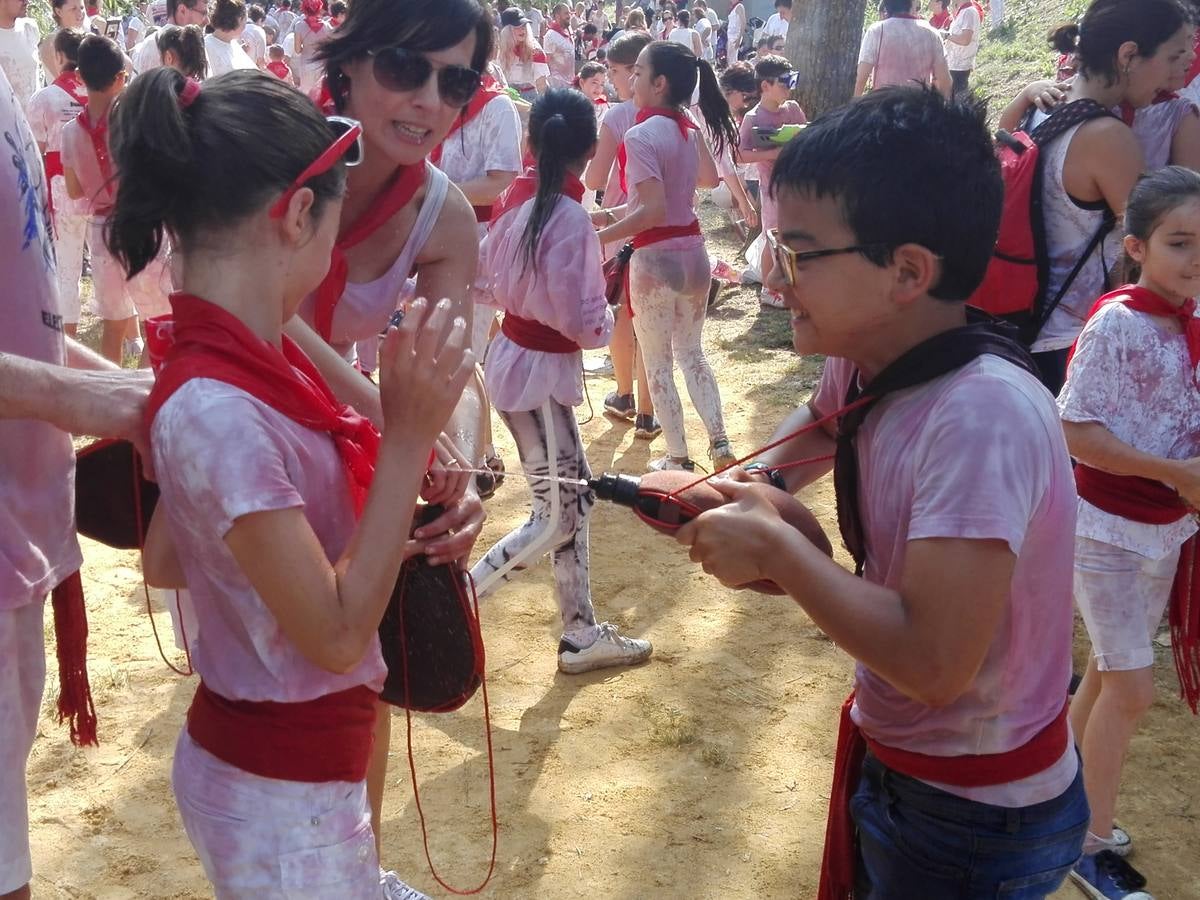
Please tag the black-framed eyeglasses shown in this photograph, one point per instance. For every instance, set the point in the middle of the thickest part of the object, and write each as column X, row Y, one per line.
column 399, row 69
column 788, row 259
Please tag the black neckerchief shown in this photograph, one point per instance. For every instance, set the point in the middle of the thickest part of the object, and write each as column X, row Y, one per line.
column 940, row 355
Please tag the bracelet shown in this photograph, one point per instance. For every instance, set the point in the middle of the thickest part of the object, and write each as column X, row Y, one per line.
column 774, row 476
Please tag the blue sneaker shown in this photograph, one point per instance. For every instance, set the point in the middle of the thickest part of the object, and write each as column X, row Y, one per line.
column 1106, row 876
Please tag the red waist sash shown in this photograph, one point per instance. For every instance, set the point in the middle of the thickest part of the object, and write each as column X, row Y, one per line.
column 652, row 236
column 326, row 739
column 533, row 335
column 837, row 865
column 52, row 160
column 483, row 214
column 1154, row 503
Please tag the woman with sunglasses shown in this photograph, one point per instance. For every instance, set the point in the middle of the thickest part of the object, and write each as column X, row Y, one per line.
column 661, row 162
column 290, row 549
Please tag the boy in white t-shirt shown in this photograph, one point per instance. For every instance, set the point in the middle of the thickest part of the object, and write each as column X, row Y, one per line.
column 19, row 49
column 955, row 497
column 962, row 44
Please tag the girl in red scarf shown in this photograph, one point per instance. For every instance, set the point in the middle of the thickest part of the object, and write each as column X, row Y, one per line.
column 1131, row 412
column 289, row 512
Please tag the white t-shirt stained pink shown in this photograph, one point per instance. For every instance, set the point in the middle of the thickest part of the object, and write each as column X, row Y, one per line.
column 977, row 454
column 560, row 57
column 656, row 150
column 79, row 154
column 38, row 547
column 902, row 51
column 19, row 58
column 565, row 291
column 1133, row 375
column 222, row 454
column 50, row 110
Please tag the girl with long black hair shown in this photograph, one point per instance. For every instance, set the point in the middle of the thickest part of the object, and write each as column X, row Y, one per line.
column 543, row 260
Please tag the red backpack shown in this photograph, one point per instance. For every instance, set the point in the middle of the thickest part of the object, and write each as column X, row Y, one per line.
column 1015, row 285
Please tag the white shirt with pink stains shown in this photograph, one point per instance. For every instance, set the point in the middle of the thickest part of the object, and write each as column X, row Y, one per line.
column 49, row 112
column 563, row 288
column 560, row 57
column 221, row 454
column 1132, row 374
column 976, row 454
column 38, row 547
column 656, row 151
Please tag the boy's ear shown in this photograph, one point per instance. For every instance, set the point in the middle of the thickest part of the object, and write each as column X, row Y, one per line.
column 917, row 271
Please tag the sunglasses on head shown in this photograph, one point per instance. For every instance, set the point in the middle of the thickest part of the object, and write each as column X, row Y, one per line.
column 398, row 69
column 346, row 147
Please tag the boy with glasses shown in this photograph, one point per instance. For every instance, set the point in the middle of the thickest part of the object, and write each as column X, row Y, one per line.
column 955, row 498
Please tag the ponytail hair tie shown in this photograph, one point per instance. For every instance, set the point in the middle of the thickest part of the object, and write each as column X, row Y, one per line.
column 188, row 93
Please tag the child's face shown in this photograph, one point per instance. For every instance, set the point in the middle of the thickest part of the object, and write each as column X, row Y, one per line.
column 1170, row 259
column 775, row 91
column 593, row 88
column 621, row 78
column 837, row 302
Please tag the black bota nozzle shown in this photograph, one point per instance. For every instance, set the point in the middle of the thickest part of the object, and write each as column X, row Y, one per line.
column 617, row 488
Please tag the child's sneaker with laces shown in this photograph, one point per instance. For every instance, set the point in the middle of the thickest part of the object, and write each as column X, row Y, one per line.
column 395, row 889
column 646, row 427
column 772, row 299
column 671, row 464
column 722, row 455
column 608, row 650
column 620, row 406
column 1106, row 876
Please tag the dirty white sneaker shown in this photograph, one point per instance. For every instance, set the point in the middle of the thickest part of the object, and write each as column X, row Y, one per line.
column 722, row 455
column 395, row 889
column 671, row 464
column 610, row 649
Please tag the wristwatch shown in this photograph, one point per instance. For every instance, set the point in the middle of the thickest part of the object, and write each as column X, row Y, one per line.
column 774, row 476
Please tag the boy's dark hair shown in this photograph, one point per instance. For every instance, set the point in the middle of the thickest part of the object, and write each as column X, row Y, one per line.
column 67, row 43
column 763, row 42
column 1157, row 194
column 100, row 62
column 421, row 25
column 768, row 68
column 589, row 28
column 873, row 156
column 275, row 50
column 562, row 130
column 255, row 14
column 897, row 7
column 684, row 18
column 1108, row 24
column 739, row 77
column 784, row 4
column 184, row 172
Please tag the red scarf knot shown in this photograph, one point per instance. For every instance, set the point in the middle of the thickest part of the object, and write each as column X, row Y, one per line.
column 678, row 116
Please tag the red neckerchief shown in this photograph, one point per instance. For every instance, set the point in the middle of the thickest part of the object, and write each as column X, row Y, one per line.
column 396, row 195
column 525, row 188
column 70, row 82
column 554, row 26
column 1147, row 301
column 538, row 55
column 209, row 342
column 1128, row 113
column 601, row 101
column 280, row 70
column 643, row 115
column 99, row 137
column 313, row 19
column 939, row 21
column 489, row 90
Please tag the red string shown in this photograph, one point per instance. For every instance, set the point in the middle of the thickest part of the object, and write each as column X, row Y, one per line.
column 141, row 536
column 861, row 401
column 487, row 724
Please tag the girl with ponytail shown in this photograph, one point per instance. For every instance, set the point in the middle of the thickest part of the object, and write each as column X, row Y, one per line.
column 182, row 48
column 661, row 163
column 285, row 512
column 543, row 260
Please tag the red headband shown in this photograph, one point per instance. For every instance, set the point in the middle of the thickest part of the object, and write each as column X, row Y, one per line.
column 189, row 93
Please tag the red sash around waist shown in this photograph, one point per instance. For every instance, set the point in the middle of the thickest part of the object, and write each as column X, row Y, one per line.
column 837, row 865
column 326, row 739
column 52, row 160
column 652, row 236
column 483, row 214
column 533, row 335
column 1154, row 503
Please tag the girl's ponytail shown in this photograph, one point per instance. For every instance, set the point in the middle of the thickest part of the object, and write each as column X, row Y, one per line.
column 715, row 109
column 562, row 129
column 153, row 152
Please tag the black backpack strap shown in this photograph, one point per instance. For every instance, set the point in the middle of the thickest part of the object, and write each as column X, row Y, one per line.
column 1067, row 117
column 1106, row 226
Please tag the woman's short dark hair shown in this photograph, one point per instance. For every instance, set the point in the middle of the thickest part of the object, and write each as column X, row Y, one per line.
column 872, row 157
column 1108, row 24
column 227, row 15
column 422, row 25
column 187, row 171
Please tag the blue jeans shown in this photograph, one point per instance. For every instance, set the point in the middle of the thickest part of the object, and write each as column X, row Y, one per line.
column 918, row 841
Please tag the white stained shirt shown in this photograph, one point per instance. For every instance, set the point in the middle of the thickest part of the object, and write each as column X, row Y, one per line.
column 1133, row 375
column 537, row 20
column 225, row 56
column 705, row 30
column 560, row 56
column 491, row 142
column 145, row 54
column 19, row 59
column 736, row 25
column 49, row 110
column 960, row 58
column 688, row 37
column 256, row 42
column 776, row 25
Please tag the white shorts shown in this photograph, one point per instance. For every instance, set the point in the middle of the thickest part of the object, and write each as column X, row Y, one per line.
column 267, row 839
column 22, row 679
column 110, row 299
column 1122, row 596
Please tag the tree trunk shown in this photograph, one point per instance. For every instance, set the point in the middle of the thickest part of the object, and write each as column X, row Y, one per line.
column 822, row 45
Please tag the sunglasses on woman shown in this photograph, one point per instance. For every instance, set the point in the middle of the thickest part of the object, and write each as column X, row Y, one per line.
column 401, row 70
column 789, row 260
column 346, row 147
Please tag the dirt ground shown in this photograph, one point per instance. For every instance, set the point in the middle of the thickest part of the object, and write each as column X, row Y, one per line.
column 703, row 774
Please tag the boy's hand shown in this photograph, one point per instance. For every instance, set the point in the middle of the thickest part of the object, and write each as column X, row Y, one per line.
column 732, row 542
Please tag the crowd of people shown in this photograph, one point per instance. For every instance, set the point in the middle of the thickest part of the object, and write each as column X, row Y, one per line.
column 280, row 203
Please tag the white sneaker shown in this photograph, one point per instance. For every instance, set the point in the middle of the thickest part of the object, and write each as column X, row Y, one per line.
column 771, row 299
column 610, row 649
column 395, row 889
column 722, row 455
column 132, row 347
column 1122, row 843
column 671, row 464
